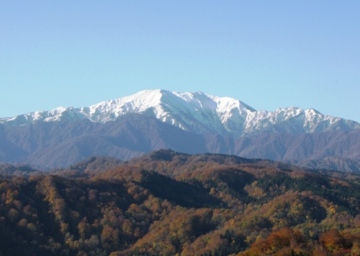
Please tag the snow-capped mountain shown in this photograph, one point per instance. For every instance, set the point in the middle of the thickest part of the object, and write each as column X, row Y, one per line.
column 195, row 112
column 182, row 121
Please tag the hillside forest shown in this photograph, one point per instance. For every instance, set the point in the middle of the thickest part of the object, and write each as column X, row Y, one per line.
column 169, row 203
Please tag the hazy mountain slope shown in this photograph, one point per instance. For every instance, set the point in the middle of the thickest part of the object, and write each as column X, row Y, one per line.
column 285, row 146
column 59, row 144
column 332, row 163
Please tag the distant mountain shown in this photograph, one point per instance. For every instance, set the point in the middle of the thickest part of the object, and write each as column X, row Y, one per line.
column 11, row 170
column 332, row 163
column 195, row 112
column 60, row 144
column 185, row 122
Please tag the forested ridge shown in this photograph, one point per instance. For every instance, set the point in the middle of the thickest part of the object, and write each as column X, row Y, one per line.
column 167, row 203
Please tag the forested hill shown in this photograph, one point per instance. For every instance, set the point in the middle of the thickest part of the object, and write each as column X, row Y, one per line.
column 167, row 203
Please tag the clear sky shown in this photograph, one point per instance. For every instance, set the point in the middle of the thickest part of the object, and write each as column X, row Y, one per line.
column 268, row 54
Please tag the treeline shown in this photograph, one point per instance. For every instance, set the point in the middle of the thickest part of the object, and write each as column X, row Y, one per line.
column 169, row 203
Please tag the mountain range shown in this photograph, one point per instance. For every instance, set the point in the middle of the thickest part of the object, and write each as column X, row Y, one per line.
column 182, row 121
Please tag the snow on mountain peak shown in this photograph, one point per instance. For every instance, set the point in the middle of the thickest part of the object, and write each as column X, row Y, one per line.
column 197, row 112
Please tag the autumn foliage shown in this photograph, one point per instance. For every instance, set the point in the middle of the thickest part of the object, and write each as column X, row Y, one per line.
column 168, row 203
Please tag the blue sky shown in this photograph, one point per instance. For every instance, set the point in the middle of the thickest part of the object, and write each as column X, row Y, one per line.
column 268, row 54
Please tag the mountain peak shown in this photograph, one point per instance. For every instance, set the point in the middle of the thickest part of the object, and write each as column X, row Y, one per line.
column 194, row 111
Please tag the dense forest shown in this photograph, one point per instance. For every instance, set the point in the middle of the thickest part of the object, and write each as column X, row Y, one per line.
column 167, row 203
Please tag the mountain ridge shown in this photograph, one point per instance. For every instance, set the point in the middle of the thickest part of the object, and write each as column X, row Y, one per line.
column 61, row 144
column 195, row 112
column 185, row 122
